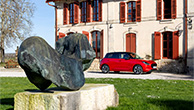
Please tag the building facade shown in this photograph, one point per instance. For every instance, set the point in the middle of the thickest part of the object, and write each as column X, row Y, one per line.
column 190, row 19
column 154, row 29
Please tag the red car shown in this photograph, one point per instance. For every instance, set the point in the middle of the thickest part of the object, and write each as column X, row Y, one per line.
column 126, row 61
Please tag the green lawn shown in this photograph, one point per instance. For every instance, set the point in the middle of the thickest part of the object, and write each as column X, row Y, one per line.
column 134, row 94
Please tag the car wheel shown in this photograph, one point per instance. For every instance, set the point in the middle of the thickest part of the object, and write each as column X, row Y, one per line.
column 105, row 68
column 138, row 69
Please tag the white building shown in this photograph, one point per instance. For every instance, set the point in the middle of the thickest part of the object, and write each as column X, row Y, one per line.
column 154, row 28
column 190, row 16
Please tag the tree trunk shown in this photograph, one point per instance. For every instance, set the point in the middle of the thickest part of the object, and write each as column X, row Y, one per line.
column 2, row 55
column 2, row 51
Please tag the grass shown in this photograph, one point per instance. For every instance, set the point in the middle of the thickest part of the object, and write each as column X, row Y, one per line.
column 134, row 94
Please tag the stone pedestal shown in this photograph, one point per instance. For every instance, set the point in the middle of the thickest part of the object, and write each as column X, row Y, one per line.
column 89, row 97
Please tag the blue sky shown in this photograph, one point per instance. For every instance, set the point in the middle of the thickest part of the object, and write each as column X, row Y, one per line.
column 44, row 23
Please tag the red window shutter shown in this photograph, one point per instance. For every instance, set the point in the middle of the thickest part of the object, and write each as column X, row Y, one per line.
column 133, row 43
column 100, row 10
column 86, row 33
column 159, row 9
column 122, row 12
column 76, row 12
column 173, row 9
column 61, row 35
column 157, row 45
column 65, row 12
column 138, row 11
column 101, row 44
column 88, row 13
column 175, row 46
column 128, row 42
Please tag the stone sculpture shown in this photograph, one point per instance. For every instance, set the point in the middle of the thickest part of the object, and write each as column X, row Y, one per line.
column 64, row 66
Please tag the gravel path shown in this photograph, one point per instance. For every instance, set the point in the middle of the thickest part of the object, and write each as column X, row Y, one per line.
column 154, row 75
column 18, row 72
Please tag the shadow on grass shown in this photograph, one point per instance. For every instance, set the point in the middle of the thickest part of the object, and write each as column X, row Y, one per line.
column 48, row 90
column 37, row 91
column 174, row 104
column 7, row 101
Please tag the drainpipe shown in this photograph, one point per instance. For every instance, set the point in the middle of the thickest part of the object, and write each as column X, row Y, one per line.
column 107, row 29
column 55, row 20
column 186, row 31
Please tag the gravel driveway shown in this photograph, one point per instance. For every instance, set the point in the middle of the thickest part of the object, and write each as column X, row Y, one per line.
column 18, row 72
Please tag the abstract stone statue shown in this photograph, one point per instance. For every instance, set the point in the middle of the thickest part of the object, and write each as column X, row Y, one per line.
column 64, row 66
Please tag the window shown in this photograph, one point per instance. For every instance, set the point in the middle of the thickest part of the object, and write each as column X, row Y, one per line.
column 134, row 56
column 168, row 7
column 169, row 46
column 89, row 10
column 124, row 56
column 97, row 10
column 97, row 43
column 112, row 55
column 83, row 11
column 71, row 13
column 109, row 55
column 133, row 11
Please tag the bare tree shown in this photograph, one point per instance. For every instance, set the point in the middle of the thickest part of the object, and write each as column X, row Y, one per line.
column 15, row 22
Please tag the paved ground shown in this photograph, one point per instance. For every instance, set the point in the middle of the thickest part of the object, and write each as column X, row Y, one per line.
column 18, row 72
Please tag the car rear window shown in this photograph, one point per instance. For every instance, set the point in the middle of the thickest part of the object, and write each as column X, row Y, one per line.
column 112, row 55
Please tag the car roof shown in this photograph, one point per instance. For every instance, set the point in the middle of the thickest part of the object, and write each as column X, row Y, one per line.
column 118, row 52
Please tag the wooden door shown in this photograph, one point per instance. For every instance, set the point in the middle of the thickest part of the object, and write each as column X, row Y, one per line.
column 131, row 42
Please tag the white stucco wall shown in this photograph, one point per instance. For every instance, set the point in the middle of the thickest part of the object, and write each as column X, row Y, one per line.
column 190, row 60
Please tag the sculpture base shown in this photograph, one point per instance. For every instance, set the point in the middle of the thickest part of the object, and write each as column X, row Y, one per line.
column 89, row 97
